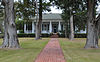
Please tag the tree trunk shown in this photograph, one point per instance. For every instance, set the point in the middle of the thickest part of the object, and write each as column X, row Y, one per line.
column 66, row 31
column 37, row 35
column 10, row 33
column 92, row 36
column 71, row 28
column 92, row 26
column 38, row 25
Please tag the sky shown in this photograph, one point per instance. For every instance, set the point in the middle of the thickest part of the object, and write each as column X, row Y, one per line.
column 54, row 10
column 98, row 9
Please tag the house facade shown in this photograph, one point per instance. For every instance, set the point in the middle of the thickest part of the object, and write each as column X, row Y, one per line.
column 51, row 23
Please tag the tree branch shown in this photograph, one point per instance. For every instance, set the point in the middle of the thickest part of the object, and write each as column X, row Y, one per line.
column 98, row 18
column 4, row 2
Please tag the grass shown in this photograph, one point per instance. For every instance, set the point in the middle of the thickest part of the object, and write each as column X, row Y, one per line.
column 30, row 50
column 74, row 51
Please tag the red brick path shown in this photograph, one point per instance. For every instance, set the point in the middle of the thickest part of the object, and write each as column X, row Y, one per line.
column 51, row 53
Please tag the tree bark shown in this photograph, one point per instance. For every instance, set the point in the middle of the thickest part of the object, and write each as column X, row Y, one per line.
column 37, row 34
column 10, row 33
column 38, row 25
column 92, row 26
column 66, row 30
column 71, row 28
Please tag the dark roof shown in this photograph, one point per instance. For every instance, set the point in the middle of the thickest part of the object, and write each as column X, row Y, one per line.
column 53, row 16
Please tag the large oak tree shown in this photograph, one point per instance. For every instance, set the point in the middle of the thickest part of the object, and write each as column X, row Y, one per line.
column 10, row 33
column 92, row 25
column 43, row 5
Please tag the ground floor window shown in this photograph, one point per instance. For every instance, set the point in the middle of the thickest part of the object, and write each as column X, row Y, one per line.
column 29, row 26
column 45, row 27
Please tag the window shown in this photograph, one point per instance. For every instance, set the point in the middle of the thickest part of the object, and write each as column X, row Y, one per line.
column 29, row 26
column 45, row 27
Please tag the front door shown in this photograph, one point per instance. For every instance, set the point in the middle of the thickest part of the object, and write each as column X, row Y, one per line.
column 55, row 28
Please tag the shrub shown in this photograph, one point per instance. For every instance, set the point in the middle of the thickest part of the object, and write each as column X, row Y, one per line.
column 1, row 35
column 46, row 35
column 21, row 31
column 26, row 35
column 80, row 35
column 32, row 35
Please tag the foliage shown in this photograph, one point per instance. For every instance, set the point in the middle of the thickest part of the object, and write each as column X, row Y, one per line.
column 1, row 35
column 19, row 24
column 1, row 17
column 25, row 10
column 76, row 35
column 77, row 8
column 32, row 35
column 46, row 6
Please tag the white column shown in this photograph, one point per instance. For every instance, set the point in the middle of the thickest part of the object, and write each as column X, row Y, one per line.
column 59, row 26
column 63, row 27
column 50, row 27
column 33, row 26
column 24, row 28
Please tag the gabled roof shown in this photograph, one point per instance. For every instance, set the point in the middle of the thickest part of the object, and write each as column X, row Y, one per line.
column 51, row 16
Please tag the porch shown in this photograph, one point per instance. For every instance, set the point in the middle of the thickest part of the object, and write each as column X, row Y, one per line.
column 46, row 27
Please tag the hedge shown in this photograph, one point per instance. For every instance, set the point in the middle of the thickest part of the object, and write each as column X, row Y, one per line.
column 76, row 35
column 1, row 35
column 47, row 35
column 32, row 35
column 80, row 35
column 25, row 35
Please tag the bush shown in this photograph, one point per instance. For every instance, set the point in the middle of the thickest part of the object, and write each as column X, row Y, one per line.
column 80, row 35
column 61, row 35
column 32, row 35
column 19, row 24
column 46, row 35
column 1, row 35
column 25, row 35
column 21, row 31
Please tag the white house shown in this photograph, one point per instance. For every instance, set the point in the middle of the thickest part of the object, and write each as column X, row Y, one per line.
column 51, row 23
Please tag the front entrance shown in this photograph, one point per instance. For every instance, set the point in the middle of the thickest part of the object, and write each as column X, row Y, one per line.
column 55, row 28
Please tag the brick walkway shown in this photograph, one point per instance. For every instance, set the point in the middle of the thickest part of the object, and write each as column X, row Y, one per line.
column 51, row 53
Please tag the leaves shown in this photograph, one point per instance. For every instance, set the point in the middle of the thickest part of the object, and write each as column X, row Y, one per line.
column 25, row 10
column 76, row 8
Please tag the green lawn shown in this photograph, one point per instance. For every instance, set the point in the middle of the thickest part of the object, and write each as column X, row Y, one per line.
column 74, row 51
column 30, row 49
